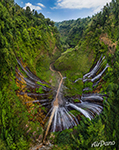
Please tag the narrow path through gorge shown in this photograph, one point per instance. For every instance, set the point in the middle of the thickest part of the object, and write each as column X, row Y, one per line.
column 55, row 102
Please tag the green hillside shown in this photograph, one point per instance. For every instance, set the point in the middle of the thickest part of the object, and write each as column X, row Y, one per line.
column 99, row 35
column 72, row 31
column 74, row 46
column 29, row 36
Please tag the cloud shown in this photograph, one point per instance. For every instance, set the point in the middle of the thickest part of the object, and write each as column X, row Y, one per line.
column 21, row 2
column 79, row 4
column 36, row 7
column 40, row 5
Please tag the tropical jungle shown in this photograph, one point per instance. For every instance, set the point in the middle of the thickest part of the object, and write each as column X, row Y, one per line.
column 66, row 69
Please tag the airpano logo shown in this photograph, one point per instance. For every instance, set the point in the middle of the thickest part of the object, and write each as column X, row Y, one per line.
column 102, row 143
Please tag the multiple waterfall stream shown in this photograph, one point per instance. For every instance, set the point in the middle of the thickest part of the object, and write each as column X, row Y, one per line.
column 59, row 108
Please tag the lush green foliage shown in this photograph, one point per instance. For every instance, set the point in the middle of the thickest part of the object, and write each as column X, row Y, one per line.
column 100, row 36
column 28, row 35
column 72, row 31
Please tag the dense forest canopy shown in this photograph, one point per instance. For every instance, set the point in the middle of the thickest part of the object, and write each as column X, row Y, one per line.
column 34, row 39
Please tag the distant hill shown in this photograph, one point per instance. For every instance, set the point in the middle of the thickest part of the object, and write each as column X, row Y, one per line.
column 72, row 31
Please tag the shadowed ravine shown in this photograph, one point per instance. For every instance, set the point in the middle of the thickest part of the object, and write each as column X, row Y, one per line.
column 59, row 108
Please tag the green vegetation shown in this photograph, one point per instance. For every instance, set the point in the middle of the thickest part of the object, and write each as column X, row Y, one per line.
column 39, row 90
column 100, row 36
column 73, row 64
column 35, row 40
column 72, row 31
column 27, row 35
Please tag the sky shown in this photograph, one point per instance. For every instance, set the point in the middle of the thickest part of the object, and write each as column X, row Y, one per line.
column 60, row 10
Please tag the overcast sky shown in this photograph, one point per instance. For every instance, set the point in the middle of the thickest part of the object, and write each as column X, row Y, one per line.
column 59, row 10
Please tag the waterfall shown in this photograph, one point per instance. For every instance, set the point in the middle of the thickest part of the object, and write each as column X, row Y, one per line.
column 60, row 111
